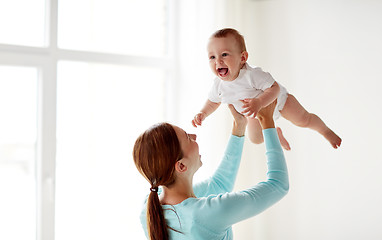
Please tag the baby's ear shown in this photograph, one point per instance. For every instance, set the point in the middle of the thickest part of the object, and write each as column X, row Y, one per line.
column 244, row 56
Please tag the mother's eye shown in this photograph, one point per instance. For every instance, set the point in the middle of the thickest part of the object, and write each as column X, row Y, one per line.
column 225, row 54
column 212, row 57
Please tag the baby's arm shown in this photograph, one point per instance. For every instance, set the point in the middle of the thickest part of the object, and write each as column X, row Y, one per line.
column 253, row 105
column 209, row 107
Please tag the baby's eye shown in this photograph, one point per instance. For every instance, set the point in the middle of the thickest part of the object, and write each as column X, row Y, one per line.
column 212, row 57
column 225, row 54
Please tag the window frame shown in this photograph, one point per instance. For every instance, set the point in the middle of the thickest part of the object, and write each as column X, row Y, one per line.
column 46, row 59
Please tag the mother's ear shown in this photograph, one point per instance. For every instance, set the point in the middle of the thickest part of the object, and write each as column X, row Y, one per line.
column 180, row 167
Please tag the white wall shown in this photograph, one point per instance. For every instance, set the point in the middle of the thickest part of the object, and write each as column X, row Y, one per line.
column 322, row 51
column 328, row 54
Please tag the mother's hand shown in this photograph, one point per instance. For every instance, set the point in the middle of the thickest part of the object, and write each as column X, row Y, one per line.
column 265, row 115
column 239, row 123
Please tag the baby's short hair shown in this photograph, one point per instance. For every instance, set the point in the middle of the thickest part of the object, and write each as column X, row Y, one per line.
column 222, row 33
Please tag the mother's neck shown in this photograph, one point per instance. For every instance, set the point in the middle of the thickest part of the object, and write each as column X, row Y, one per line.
column 178, row 192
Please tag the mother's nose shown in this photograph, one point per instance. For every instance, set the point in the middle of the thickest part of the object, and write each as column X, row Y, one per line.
column 193, row 136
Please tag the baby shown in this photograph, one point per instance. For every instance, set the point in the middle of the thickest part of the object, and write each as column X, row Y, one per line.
column 249, row 89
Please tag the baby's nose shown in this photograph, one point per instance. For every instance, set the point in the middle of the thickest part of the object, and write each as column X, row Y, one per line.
column 218, row 59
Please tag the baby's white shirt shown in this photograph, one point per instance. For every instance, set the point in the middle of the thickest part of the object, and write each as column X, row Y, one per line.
column 251, row 82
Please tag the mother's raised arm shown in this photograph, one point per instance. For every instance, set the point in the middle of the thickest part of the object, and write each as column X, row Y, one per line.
column 239, row 122
column 265, row 116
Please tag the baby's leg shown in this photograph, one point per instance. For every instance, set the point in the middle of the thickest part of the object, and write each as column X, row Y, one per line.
column 294, row 112
column 255, row 133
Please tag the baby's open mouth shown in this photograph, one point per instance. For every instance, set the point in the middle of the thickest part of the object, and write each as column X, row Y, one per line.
column 222, row 72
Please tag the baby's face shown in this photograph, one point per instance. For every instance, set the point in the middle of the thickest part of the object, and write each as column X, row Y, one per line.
column 225, row 57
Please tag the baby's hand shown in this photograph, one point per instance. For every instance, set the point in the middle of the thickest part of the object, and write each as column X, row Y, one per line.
column 198, row 119
column 251, row 107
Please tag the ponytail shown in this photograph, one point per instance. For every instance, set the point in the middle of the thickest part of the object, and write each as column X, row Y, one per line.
column 156, row 224
column 155, row 153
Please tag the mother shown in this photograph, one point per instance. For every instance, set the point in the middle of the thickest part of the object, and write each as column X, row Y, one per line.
column 168, row 157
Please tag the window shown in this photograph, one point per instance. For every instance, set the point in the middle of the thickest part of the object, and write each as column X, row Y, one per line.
column 23, row 25
column 18, row 152
column 101, row 109
column 131, row 27
column 76, row 80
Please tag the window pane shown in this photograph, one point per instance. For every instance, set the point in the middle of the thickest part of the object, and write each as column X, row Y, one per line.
column 22, row 22
column 101, row 111
column 132, row 27
column 18, row 106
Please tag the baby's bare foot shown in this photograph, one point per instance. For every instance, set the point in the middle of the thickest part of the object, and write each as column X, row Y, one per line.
column 284, row 143
column 334, row 140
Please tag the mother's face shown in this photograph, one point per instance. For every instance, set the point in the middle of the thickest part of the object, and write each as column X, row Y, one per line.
column 190, row 148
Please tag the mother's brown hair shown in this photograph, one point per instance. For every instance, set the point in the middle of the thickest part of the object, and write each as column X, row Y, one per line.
column 155, row 153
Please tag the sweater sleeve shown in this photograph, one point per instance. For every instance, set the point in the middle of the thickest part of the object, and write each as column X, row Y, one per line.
column 229, row 208
column 223, row 179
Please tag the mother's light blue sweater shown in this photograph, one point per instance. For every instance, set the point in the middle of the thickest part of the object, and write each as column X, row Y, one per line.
column 216, row 208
